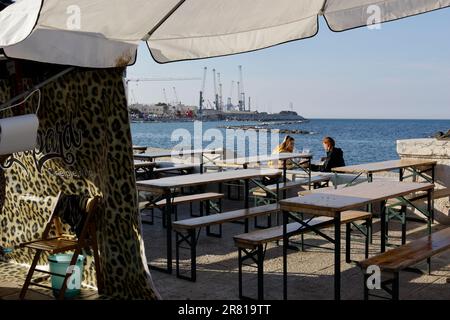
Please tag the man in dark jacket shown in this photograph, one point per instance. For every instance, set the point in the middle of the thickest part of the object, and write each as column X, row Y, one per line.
column 335, row 156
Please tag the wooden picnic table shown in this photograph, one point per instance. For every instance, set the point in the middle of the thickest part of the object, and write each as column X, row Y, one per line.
column 402, row 165
column 143, row 169
column 152, row 156
column 283, row 157
column 332, row 202
column 139, row 149
column 165, row 187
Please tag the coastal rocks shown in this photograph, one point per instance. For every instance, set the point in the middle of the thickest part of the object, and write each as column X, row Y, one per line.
column 442, row 136
column 265, row 128
column 438, row 150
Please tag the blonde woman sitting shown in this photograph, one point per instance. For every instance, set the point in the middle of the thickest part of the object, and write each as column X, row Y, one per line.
column 287, row 146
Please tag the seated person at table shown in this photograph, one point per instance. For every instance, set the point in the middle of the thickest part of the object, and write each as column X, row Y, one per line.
column 287, row 146
column 334, row 158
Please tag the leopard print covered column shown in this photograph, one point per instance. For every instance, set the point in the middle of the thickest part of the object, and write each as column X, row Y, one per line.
column 84, row 145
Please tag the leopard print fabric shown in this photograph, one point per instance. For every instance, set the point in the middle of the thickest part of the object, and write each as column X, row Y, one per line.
column 84, row 146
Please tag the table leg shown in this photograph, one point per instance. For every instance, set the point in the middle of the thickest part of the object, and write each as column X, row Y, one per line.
column 309, row 173
column 433, row 177
column 246, row 200
column 400, row 174
column 284, row 178
column 430, row 209
column 169, row 232
column 168, row 217
column 370, row 177
column 201, row 163
column 285, row 247
column 337, row 256
column 383, row 225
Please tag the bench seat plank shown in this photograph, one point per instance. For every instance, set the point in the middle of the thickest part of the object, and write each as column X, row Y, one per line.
column 183, row 200
column 224, row 217
column 276, row 233
column 291, row 184
column 178, row 167
column 354, row 215
column 412, row 253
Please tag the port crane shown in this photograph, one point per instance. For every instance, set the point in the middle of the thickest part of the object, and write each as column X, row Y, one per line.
column 239, row 95
column 156, row 79
column 165, row 97
column 229, row 102
column 241, row 91
column 177, row 102
column 216, row 95
column 220, row 92
column 202, row 91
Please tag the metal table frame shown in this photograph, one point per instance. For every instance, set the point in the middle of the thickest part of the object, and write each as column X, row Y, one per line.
column 287, row 215
column 169, row 194
column 151, row 157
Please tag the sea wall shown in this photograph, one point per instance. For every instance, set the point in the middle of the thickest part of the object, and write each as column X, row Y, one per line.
column 438, row 150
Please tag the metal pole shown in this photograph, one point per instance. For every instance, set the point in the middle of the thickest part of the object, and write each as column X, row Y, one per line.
column 36, row 87
column 164, row 19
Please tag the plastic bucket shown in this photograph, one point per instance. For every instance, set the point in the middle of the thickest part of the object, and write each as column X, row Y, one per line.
column 59, row 263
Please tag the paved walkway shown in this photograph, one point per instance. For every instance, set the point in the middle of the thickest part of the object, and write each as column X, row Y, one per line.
column 310, row 272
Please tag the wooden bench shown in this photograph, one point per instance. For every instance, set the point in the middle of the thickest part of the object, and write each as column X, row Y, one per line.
column 177, row 167
column 272, row 189
column 252, row 246
column 271, row 193
column 186, row 230
column 403, row 257
column 189, row 199
column 397, row 210
column 143, row 169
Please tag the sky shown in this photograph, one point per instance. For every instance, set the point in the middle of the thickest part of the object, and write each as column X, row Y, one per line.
column 401, row 71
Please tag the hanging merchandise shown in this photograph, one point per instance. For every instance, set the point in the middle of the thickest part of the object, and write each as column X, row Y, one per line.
column 19, row 133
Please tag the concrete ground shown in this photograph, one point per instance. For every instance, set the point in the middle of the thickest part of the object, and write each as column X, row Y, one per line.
column 310, row 273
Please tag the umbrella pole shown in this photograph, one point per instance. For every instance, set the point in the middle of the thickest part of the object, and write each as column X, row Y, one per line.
column 167, row 16
column 36, row 87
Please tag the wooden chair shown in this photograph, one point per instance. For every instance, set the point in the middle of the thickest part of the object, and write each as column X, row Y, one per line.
column 63, row 242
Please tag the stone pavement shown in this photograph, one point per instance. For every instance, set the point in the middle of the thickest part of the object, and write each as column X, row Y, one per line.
column 310, row 273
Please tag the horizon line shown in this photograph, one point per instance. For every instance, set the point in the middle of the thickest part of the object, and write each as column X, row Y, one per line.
column 418, row 119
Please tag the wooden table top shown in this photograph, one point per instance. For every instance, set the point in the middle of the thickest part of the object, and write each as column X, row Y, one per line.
column 170, row 153
column 330, row 201
column 384, row 166
column 164, row 184
column 265, row 158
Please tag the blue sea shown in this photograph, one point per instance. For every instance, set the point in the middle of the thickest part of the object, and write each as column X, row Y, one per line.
column 361, row 140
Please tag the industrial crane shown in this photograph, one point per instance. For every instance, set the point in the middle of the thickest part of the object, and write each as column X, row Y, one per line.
column 241, row 90
column 177, row 102
column 202, row 90
column 220, row 92
column 128, row 80
column 239, row 95
column 165, row 97
column 230, row 103
column 216, row 95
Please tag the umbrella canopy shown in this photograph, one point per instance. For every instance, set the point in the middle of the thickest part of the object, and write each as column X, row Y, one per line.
column 106, row 33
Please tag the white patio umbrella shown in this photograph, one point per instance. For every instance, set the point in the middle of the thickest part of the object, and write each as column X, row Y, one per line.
column 106, row 33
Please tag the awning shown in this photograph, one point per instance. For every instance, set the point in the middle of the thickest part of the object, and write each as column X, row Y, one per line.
column 106, row 33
